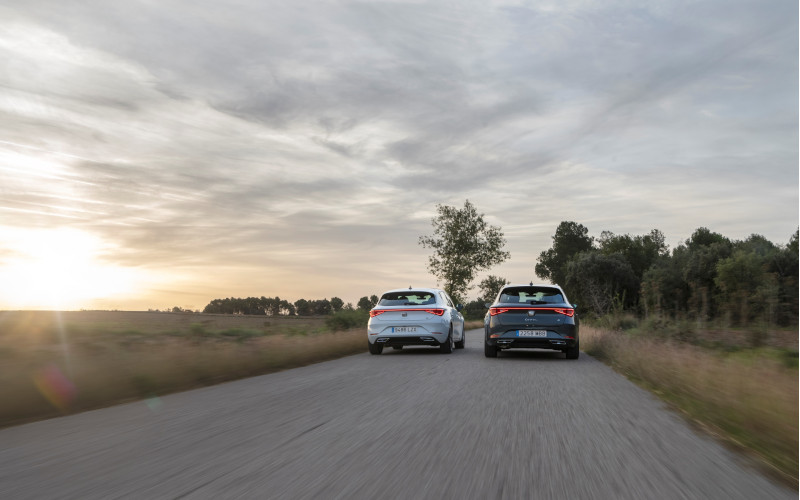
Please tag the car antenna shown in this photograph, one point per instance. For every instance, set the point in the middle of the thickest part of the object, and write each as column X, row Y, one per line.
column 531, row 283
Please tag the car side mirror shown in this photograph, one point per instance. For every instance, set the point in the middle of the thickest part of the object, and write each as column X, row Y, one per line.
column 459, row 307
column 574, row 306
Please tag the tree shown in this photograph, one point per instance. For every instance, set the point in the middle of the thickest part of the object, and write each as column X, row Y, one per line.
column 321, row 307
column 743, row 282
column 599, row 281
column 570, row 239
column 704, row 250
column 336, row 304
column 287, row 308
column 663, row 289
column 784, row 264
column 641, row 252
column 364, row 304
column 463, row 243
column 272, row 305
column 302, row 307
column 703, row 237
column 475, row 309
column 490, row 286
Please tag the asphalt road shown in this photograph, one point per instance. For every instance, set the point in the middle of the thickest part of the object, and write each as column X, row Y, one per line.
column 407, row 424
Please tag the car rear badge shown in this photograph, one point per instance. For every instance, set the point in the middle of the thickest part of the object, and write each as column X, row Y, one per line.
column 405, row 314
column 531, row 313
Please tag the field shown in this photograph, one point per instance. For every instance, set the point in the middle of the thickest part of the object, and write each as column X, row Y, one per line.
column 56, row 363
column 747, row 397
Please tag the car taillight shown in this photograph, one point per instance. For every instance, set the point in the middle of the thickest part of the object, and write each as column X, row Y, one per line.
column 494, row 311
column 376, row 312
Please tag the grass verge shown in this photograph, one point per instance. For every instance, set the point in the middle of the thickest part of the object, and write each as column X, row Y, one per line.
column 58, row 363
column 749, row 401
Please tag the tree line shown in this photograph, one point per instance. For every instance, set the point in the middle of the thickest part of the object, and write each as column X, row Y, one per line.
column 275, row 306
column 707, row 277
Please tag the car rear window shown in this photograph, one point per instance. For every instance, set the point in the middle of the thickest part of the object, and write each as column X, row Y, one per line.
column 531, row 295
column 409, row 298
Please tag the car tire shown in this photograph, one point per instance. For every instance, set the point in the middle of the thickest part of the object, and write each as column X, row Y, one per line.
column 490, row 351
column 573, row 352
column 375, row 348
column 461, row 343
column 447, row 346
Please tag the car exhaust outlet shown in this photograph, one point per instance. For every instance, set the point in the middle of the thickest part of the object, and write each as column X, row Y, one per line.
column 382, row 340
column 558, row 342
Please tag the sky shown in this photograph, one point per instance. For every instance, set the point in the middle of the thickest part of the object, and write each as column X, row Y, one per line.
column 166, row 153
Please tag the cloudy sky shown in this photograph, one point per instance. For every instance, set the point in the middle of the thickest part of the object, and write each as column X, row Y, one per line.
column 155, row 154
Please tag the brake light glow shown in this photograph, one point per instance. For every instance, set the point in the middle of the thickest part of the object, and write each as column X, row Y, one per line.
column 376, row 312
column 494, row 311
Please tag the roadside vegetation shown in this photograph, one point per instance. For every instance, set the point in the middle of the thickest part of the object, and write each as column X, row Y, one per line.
column 711, row 327
column 746, row 396
column 59, row 363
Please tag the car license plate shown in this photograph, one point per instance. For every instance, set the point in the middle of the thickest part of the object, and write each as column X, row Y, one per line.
column 532, row 333
column 404, row 329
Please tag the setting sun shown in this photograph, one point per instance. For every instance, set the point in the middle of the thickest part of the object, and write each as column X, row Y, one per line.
column 57, row 269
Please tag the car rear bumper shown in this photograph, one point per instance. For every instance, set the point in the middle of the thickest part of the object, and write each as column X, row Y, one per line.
column 558, row 344
column 388, row 335
column 392, row 341
column 561, row 338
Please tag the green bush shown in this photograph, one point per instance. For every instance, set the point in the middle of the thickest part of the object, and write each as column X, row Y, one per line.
column 345, row 320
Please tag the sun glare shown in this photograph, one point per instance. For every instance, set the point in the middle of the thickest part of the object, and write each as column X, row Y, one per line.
column 56, row 269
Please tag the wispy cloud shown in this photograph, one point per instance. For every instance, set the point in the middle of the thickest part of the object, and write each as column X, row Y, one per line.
column 302, row 146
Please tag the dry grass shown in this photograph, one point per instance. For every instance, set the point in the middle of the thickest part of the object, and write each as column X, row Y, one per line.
column 473, row 324
column 749, row 399
column 56, row 363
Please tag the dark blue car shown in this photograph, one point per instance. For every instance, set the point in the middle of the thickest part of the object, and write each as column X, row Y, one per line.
column 531, row 316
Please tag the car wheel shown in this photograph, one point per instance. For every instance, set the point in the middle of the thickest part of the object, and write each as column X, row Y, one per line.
column 397, row 347
column 573, row 352
column 460, row 344
column 490, row 351
column 447, row 346
column 375, row 348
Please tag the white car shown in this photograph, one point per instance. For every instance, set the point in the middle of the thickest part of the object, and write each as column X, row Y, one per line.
column 415, row 316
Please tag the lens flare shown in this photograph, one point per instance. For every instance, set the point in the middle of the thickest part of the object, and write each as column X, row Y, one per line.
column 55, row 387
